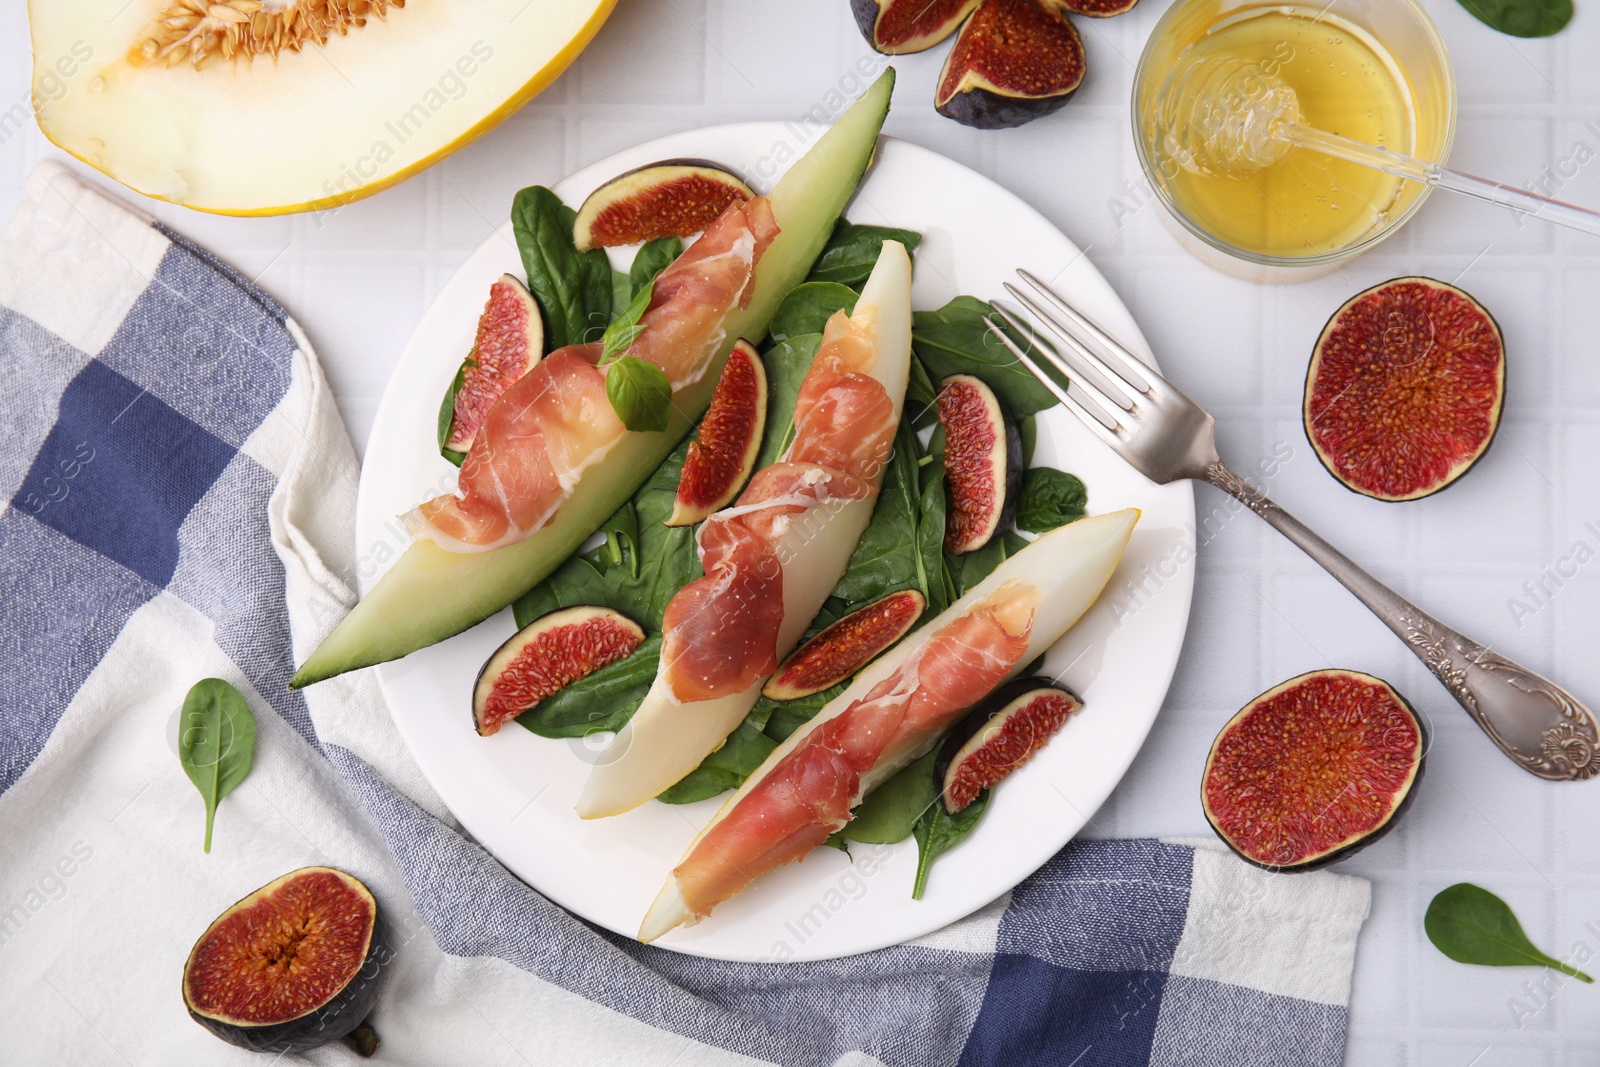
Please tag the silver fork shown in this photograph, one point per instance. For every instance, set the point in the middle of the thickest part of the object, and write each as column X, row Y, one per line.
column 1166, row 437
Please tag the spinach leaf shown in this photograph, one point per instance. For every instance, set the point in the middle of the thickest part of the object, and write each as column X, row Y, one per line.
column 652, row 258
column 621, row 289
column 886, row 558
column 1522, row 18
column 787, row 363
column 447, row 410
column 938, row 832
column 852, row 251
column 920, row 394
column 954, row 340
column 726, row 768
column 930, row 540
column 784, row 717
column 891, row 811
column 808, row 307
column 974, row 567
column 573, row 288
column 1028, row 427
column 605, row 700
column 1050, row 498
column 216, row 742
column 1472, row 925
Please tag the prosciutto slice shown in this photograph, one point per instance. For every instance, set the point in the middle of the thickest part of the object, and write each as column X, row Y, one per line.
column 556, row 420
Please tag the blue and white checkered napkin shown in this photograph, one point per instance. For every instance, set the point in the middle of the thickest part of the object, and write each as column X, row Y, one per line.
column 181, row 496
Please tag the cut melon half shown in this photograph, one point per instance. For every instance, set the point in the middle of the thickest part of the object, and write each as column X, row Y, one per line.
column 260, row 107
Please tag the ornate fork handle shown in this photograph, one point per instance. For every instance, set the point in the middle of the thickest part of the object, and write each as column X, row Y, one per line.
column 1534, row 721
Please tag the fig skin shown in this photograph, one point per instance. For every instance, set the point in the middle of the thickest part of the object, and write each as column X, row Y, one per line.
column 966, row 90
column 870, row 16
column 1334, row 855
column 981, row 715
column 906, row 607
column 338, row 1017
column 625, row 630
column 1009, row 437
column 643, row 181
column 1099, row 9
column 1315, row 365
column 723, row 448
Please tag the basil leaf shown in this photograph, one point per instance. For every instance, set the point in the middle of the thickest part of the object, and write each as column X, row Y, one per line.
column 1522, row 18
column 216, row 742
column 726, row 768
column 1472, row 925
column 787, row 363
column 447, row 410
column 938, row 832
column 852, row 251
column 624, row 329
column 652, row 258
column 639, row 393
column 605, row 700
column 955, row 340
column 808, row 307
column 573, row 288
column 1050, row 498
column 891, row 811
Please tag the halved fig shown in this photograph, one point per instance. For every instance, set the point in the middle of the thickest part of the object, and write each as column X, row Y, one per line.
column 1098, row 9
column 899, row 27
column 509, row 342
column 673, row 198
column 846, row 646
column 1405, row 388
column 1313, row 770
column 290, row 967
column 546, row 656
column 998, row 736
column 724, row 449
column 982, row 462
column 1013, row 61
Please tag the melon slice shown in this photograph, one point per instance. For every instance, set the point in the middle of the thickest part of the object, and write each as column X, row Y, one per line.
column 259, row 107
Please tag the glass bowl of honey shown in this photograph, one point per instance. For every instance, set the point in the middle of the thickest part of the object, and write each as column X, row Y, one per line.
column 1372, row 70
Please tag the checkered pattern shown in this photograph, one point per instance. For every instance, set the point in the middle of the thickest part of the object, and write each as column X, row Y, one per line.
column 180, row 489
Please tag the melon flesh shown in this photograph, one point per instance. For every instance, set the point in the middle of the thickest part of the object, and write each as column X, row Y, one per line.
column 290, row 130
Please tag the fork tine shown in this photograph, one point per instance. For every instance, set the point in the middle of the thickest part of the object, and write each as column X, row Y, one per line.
column 1109, row 346
column 1092, row 370
column 1111, row 435
column 1043, row 350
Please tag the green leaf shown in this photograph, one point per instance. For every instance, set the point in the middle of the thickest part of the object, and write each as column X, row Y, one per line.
column 573, row 288
column 931, row 511
column 1028, row 427
column 955, row 340
column 852, row 251
column 726, row 768
column 891, row 811
column 605, row 700
column 1522, row 18
column 447, row 411
column 973, row 567
column 808, row 307
column 938, row 832
column 216, row 742
column 886, row 559
column 1472, row 925
column 624, row 329
column 652, row 258
column 621, row 290
column 640, row 393
column 787, row 363
column 920, row 394
column 1050, row 498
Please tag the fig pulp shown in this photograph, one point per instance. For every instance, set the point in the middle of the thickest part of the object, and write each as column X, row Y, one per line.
column 1098, row 9
column 898, row 27
column 1313, row 770
column 546, row 656
column 509, row 342
column 721, row 456
column 1013, row 61
column 673, row 198
column 1405, row 388
column 998, row 736
column 846, row 646
column 982, row 462
column 286, row 968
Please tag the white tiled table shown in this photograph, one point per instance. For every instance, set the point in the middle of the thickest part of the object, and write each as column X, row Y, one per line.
column 358, row 282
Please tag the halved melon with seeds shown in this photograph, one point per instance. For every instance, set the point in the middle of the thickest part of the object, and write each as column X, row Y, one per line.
column 259, row 107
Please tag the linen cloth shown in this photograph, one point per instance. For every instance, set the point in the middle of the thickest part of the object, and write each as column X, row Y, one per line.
column 180, row 504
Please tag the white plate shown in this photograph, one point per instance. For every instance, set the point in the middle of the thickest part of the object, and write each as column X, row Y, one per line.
column 514, row 792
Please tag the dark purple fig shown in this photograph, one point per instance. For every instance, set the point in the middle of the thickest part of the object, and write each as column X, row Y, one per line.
column 998, row 736
column 1098, row 9
column 1313, row 770
column 292, row 966
column 982, row 463
column 898, row 27
column 546, row 656
column 673, row 198
column 1012, row 62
